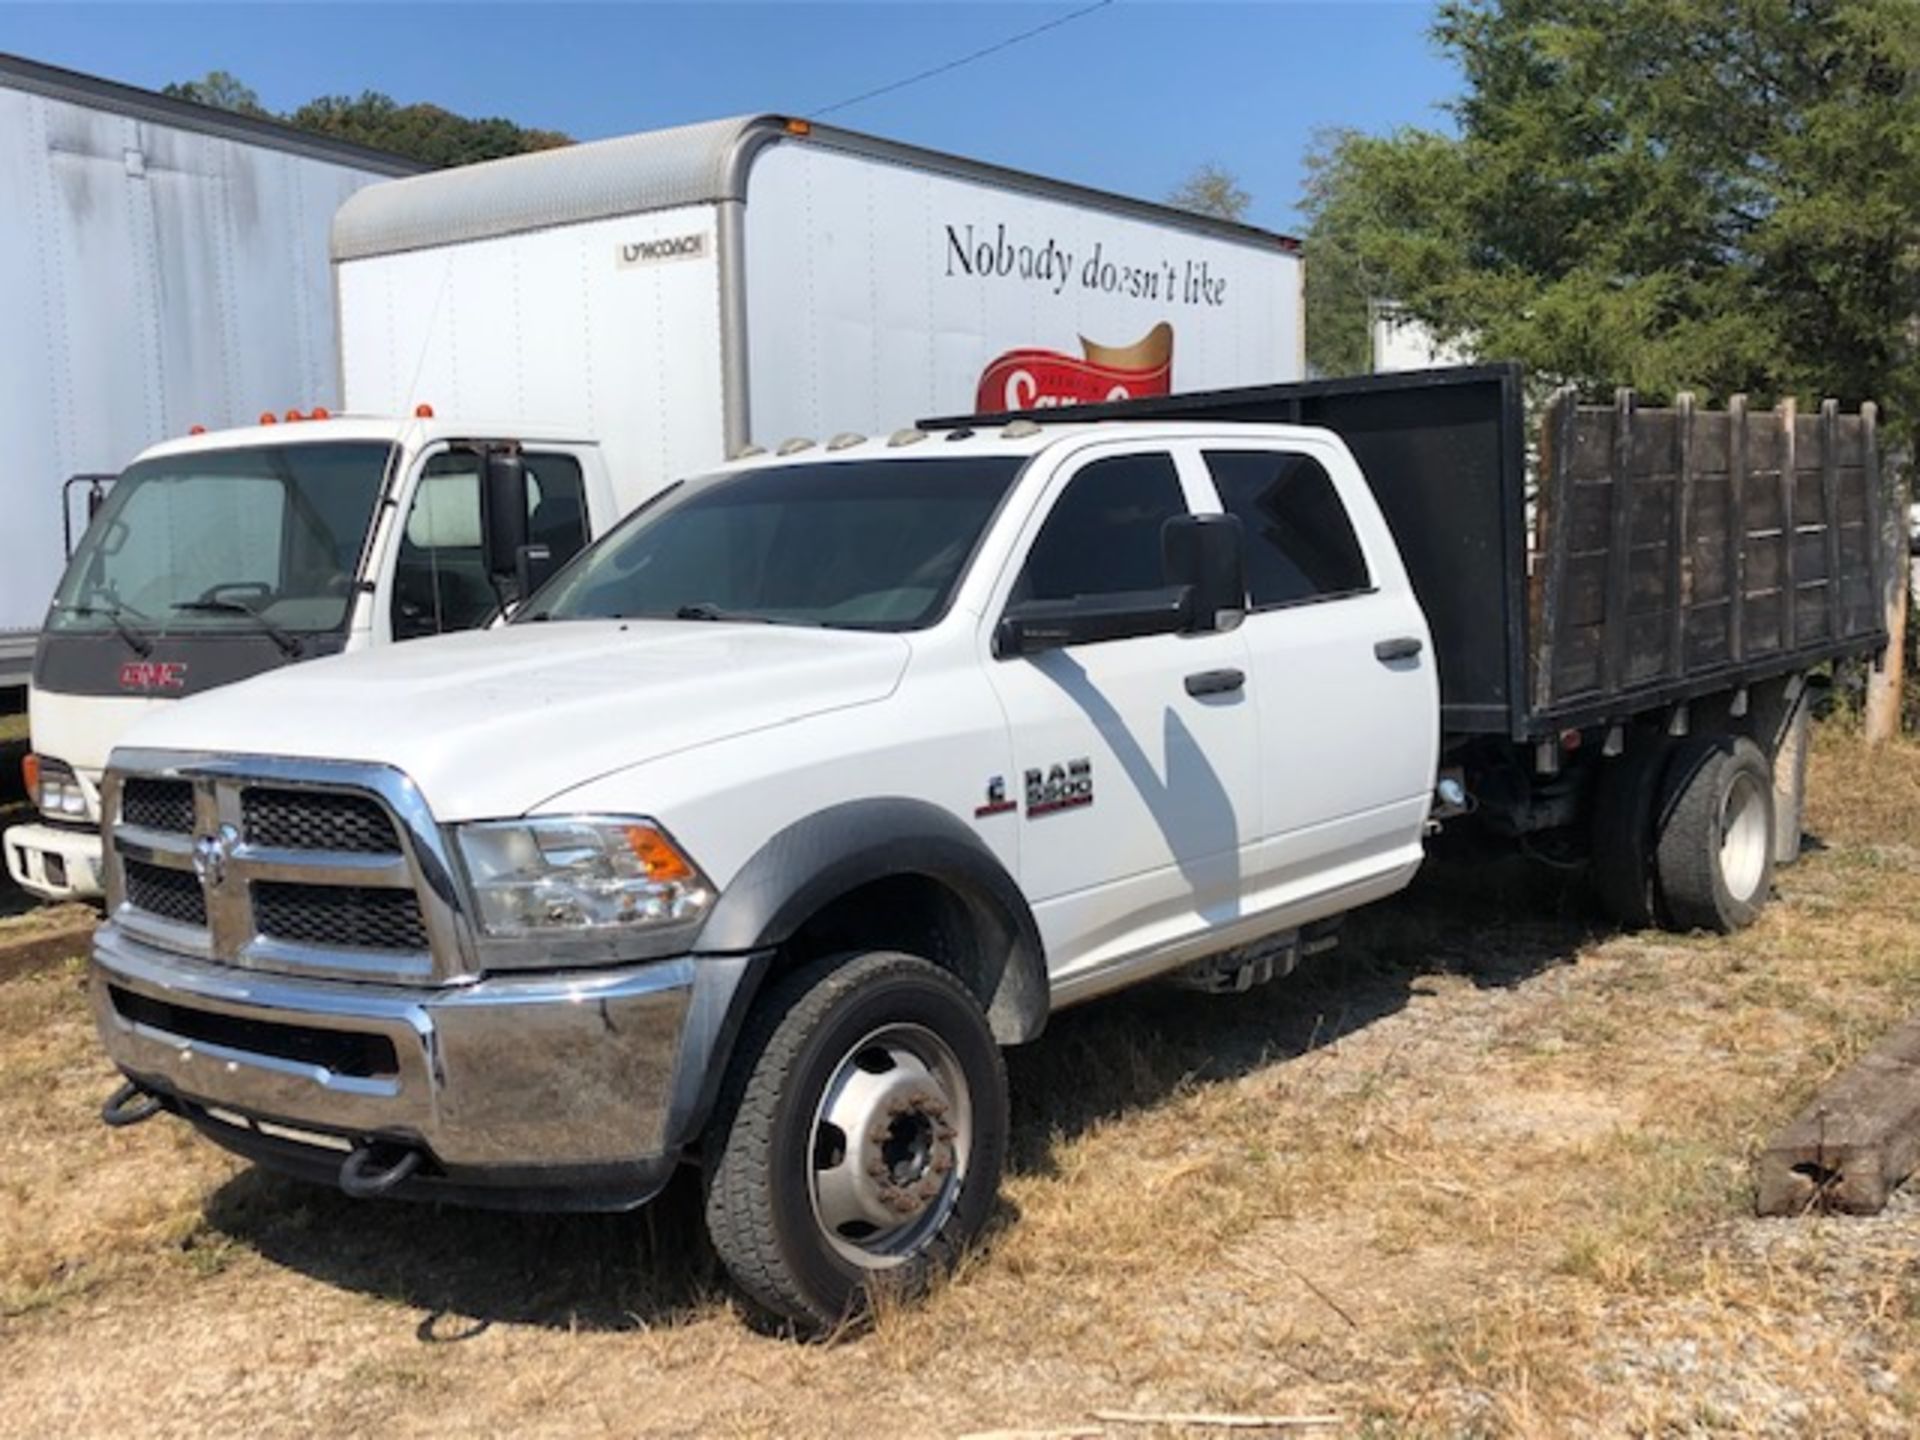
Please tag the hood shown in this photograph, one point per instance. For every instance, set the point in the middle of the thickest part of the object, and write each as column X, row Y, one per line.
column 491, row 723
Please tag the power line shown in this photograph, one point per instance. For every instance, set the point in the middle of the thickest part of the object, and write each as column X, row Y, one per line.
column 993, row 49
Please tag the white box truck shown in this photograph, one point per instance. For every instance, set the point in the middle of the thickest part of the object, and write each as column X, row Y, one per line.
column 589, row 324
column 160, row 266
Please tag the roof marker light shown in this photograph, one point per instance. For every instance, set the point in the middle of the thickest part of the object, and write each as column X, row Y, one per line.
column 846, row 440
column 196, row 429
column 747, row 452
column 1019, row 430
column 799, row 127
column 795, row 445
column 293, row 415
column 267, row 417
column 320, row 412
column 909, row 436
column 423, row 412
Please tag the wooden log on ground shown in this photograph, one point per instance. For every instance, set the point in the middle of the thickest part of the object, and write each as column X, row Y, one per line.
column 1850, row 1148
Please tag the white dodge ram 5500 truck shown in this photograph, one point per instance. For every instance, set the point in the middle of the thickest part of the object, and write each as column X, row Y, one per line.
column 776, row 812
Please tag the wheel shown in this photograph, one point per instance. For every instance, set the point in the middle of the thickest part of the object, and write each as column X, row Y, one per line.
column 1790, row 784
column 1621, row 851
column 859, row 1138
column 1713, row 860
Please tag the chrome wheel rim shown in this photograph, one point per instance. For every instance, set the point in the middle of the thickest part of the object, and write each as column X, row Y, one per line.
column 889, row 1146
column 1745, row 837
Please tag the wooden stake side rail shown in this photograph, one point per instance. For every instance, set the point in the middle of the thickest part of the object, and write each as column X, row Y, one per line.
column 1682, row 546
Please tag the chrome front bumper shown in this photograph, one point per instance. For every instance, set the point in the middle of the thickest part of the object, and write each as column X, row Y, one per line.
column 535, row 1082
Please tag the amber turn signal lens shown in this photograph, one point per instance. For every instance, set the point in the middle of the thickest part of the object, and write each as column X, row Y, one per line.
column 656, row 856
column 30, row 775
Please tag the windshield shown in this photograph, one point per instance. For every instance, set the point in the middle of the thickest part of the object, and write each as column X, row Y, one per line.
column 861, row 544
column 226, row 540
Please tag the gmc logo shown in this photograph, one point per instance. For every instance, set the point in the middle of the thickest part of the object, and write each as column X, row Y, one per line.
column 153, row 675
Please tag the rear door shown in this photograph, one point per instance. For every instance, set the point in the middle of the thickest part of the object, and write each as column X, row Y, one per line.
column 1136, row 783
column 1342, row 673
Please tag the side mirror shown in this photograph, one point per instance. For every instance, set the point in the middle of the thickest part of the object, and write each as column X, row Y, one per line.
column 1206, row 556
column 503, row 512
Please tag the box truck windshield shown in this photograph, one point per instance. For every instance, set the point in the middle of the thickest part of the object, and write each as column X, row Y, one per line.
column 264, row 537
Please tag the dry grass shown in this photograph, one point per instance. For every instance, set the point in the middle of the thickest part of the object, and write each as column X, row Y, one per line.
column 1486, row 1170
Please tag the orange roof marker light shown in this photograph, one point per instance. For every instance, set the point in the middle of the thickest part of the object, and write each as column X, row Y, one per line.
column 267, row 417
column 799, row 127
column 319, row 412
column 196, row 429
column 293, row 415
column 423, row 411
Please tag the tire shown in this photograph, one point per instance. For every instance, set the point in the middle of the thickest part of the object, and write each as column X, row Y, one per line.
column 1620, row 864
column 879, row 1044
column 1713, row 859
column 1790, row 784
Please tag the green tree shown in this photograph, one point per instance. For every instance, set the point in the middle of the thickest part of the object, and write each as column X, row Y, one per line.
column 1211, row 190
column 220, row 90
column 1721, row 195
column 421, row 132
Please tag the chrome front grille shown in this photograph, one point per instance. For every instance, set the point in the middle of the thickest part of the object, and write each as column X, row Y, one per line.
column 356, row 915
column 316, row 820
column 297, row 867
column 174, row 895
column 165, row 805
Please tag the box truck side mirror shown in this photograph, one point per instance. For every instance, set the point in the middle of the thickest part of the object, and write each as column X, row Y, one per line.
column 503, row 512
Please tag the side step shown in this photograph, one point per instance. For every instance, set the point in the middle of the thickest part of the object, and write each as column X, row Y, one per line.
column 1850, row 1148
column 1273, row 957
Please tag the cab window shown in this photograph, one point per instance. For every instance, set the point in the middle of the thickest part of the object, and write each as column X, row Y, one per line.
column 1102, row 536
column 440, row 581
column 1300, row 546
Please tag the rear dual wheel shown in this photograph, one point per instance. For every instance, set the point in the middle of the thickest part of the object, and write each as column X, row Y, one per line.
column 1714, row 859
column 859, row 1139
column 1685, row 833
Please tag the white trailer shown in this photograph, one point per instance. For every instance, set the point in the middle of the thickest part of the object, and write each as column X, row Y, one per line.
column 161, row 265
column 609, row 318
column 679, row 293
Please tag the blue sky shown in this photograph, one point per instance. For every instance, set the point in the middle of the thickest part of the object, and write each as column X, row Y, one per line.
column 1129, row 97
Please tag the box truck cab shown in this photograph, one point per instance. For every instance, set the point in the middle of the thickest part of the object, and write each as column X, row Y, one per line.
column 223, row 555
column 656, row 301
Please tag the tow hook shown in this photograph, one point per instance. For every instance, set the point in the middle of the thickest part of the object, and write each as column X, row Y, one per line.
column 367, row 1175
column 129, row 1105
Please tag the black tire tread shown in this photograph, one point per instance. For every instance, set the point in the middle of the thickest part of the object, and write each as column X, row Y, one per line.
column 740, row 1204
column 1620, row 866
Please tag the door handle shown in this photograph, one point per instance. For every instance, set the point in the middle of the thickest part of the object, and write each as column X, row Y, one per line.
column 1215, row 682
column 1401, row 647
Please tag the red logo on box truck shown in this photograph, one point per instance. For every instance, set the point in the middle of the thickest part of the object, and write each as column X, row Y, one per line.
column 1041, row 379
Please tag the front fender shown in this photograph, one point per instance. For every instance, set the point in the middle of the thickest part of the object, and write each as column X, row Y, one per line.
column 833, row 852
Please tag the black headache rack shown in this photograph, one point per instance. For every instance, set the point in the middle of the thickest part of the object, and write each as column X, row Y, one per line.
column 1702, row 550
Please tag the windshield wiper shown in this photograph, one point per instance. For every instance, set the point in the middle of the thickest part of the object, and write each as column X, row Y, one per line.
column 289, row 643
column 136, row 640
column 705, row 611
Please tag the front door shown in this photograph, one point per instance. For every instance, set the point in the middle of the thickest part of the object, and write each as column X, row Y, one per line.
column 1136, row 760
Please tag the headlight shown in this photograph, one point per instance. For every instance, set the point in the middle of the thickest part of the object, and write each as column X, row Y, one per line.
column 575, row 875
column 56, row 789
